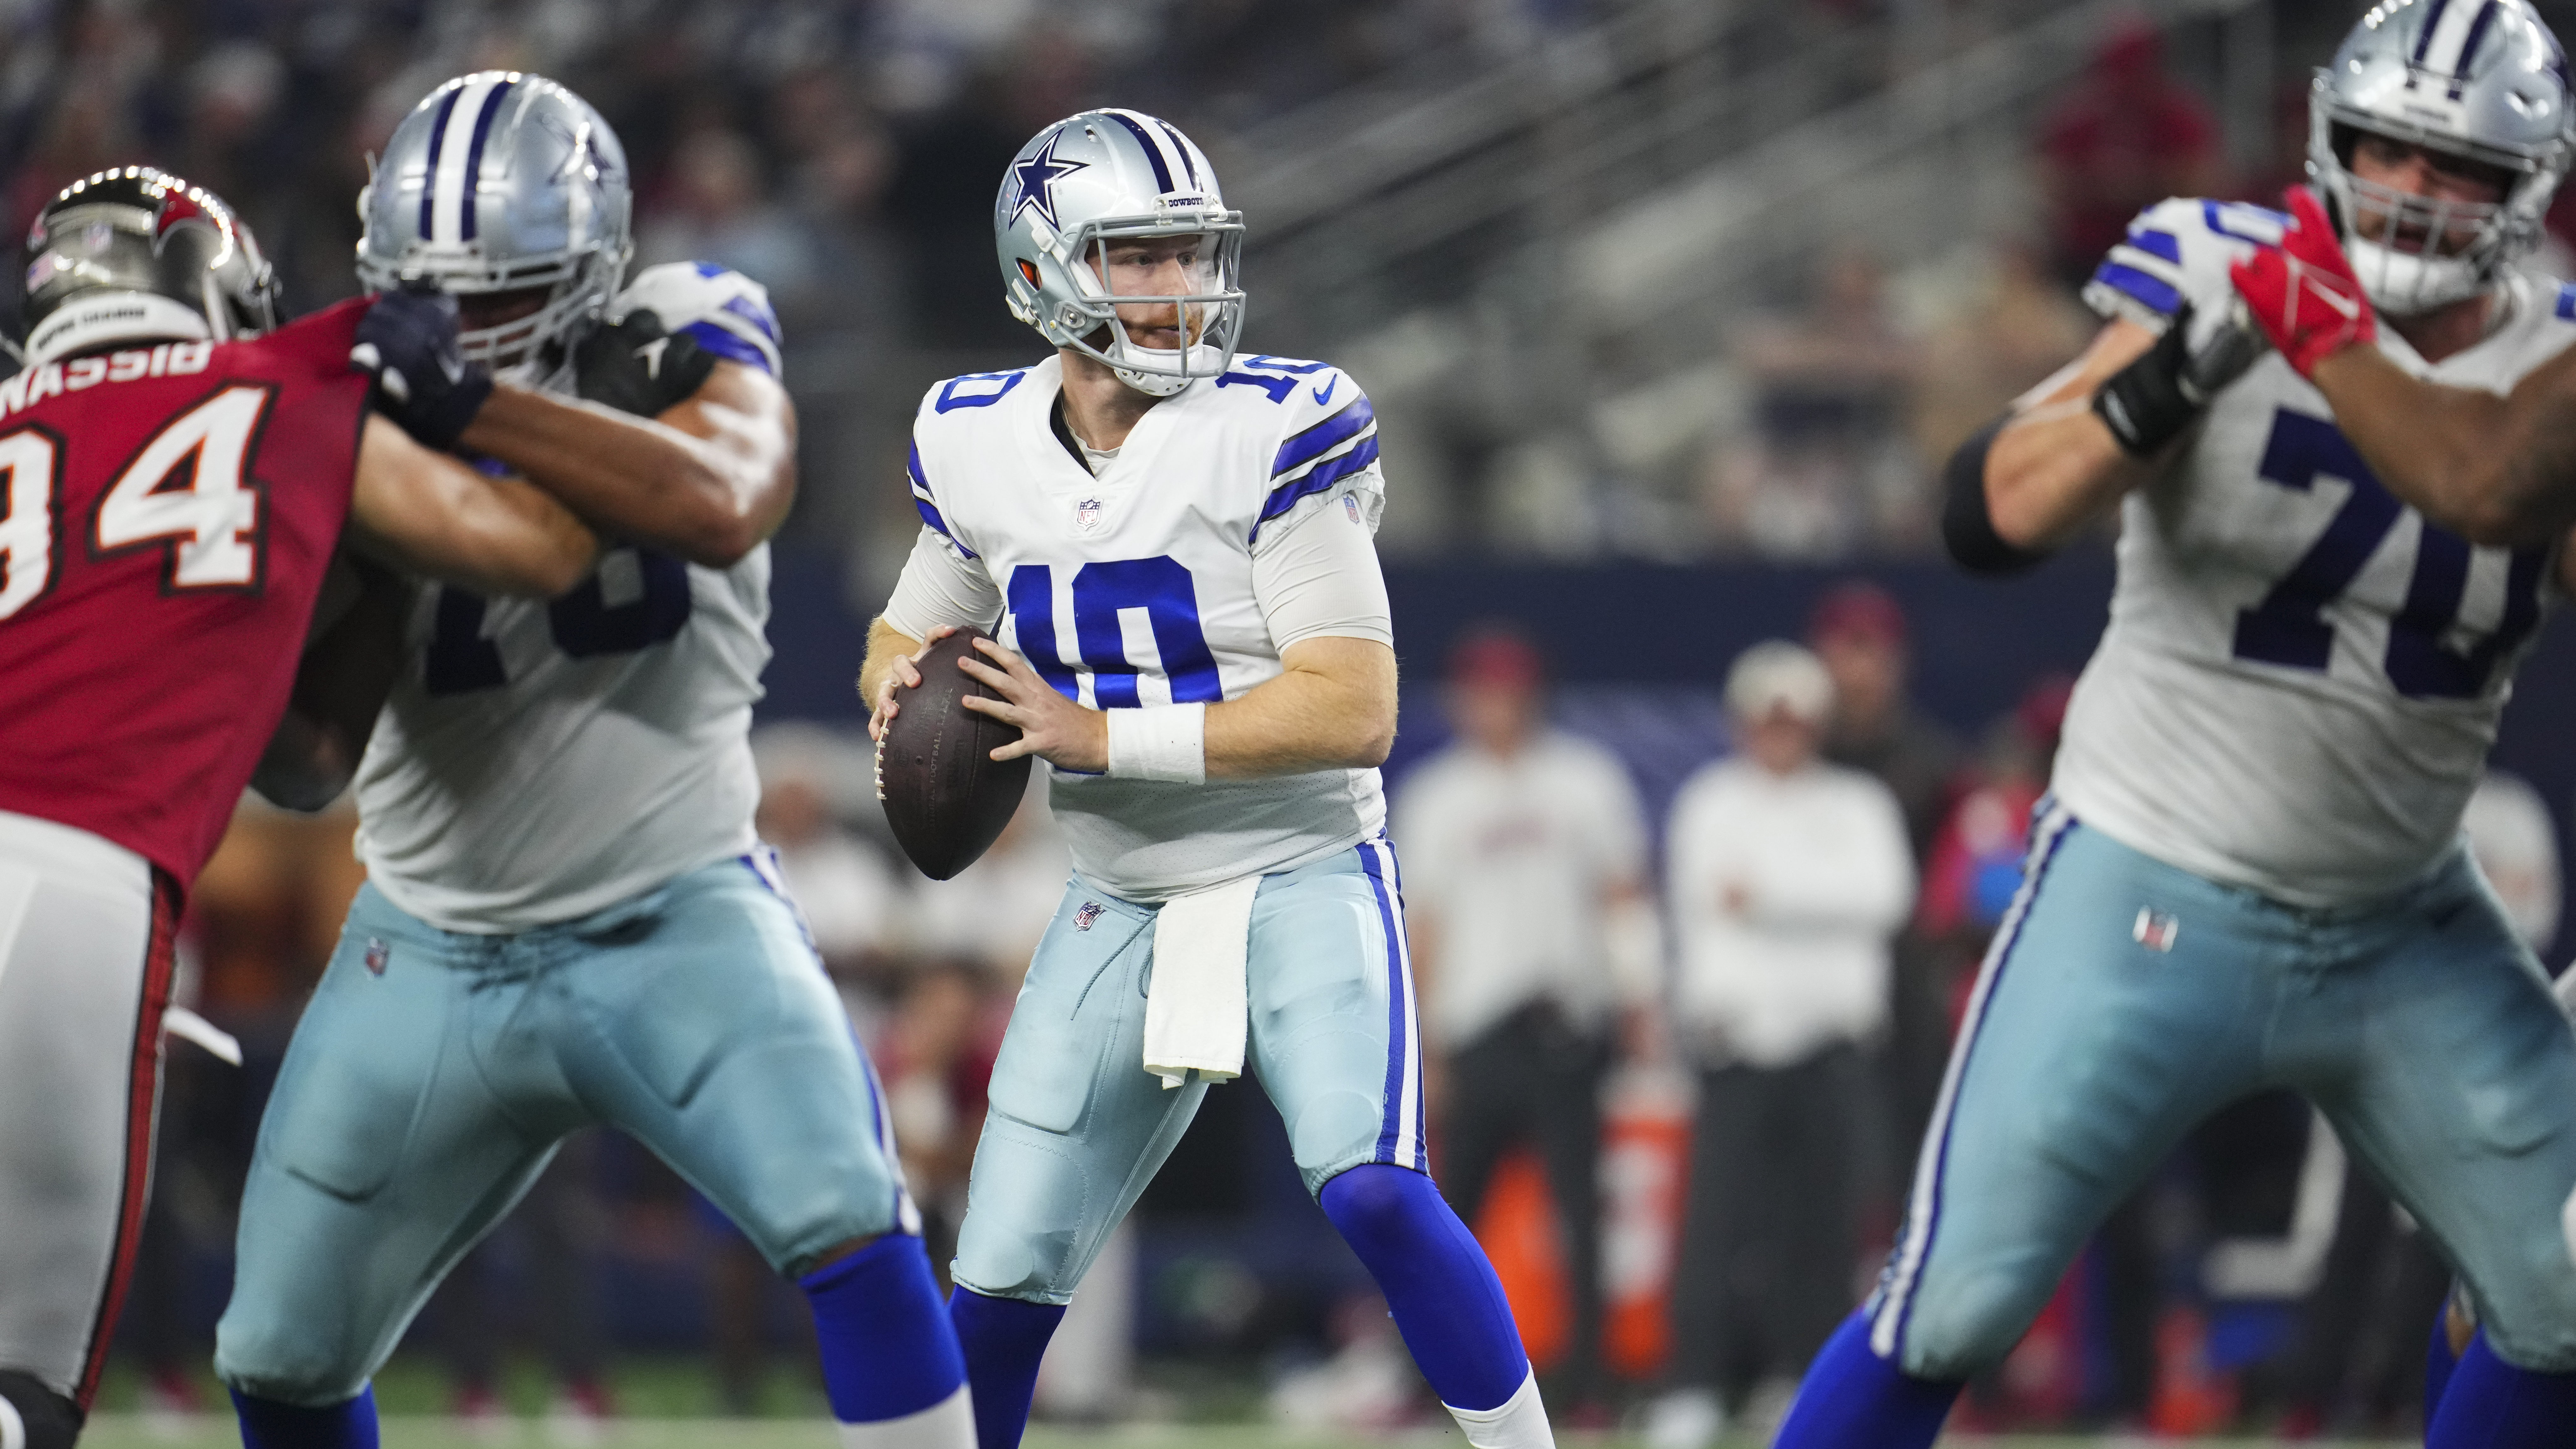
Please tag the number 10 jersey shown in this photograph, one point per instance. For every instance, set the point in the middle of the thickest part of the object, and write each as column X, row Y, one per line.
column 1135, row 587
column 2301, row 677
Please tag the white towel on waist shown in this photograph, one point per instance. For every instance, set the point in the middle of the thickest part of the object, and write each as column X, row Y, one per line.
column 1195, row 1011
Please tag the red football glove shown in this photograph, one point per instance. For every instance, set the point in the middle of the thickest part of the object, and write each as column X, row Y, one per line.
column 2302, row 293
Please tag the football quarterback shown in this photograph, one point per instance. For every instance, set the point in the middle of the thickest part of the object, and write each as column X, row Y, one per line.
column 2249, row 871
column 1173, row 543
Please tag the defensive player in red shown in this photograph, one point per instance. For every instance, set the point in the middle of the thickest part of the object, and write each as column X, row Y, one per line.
column 176, row 478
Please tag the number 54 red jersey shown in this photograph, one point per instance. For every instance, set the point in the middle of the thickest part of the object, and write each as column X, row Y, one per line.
column 169, row 512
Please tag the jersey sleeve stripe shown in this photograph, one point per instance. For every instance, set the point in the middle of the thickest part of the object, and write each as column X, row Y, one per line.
column 2566, row 308
column 2163, row 245
column 926, row 505
column 2153, row 291
column 1316, row 480
column 728, row 342
column 1323, row 437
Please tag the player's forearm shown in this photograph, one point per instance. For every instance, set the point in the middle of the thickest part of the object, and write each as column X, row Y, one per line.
column 2051, row 472
column 2496, row 470
column 429, row 514
column 708, row 495
column 1332, row 707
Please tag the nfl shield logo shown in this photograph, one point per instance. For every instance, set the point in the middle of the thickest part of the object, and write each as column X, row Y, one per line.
column 2155, row 930
column 1090, row 912
column 377, row 954
column 1351, row 506
column 1086, row 516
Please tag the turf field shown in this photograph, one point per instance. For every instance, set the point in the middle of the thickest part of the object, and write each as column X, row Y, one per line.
column 130, row 1432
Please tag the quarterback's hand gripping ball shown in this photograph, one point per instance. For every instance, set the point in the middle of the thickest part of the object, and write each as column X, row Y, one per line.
column 407, row 342
column 945, row 796
column 2303, row 293
column 639, row 367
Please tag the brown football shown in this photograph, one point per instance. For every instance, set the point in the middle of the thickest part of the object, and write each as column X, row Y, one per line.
column 944, row 795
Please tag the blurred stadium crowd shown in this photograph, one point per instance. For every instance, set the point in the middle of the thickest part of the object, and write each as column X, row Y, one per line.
column 844, row 153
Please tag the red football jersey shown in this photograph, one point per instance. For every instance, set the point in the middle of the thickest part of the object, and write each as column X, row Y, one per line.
column 169, row 514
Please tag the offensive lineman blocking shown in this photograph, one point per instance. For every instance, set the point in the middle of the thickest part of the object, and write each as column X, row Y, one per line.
column 2249, row 872
column 1175, row 546
column 568, row 918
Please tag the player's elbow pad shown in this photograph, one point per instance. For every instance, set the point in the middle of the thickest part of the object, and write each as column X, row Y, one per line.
column 1967, row 529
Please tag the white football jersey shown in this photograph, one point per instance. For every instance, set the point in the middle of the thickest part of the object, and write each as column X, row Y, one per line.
column 538, row 761
column 2301, row 677
column 1135, row 587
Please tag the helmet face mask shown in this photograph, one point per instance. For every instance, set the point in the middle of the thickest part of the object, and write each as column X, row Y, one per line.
column 502, row 181
column 2481, row 85
column 1082, row 199
column 137, row 254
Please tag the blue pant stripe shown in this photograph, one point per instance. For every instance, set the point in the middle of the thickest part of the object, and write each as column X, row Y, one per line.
column 1923, row 1215
column 1400, row 1138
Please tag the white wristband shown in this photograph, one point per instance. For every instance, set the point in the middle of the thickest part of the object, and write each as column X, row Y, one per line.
column 1159, row 742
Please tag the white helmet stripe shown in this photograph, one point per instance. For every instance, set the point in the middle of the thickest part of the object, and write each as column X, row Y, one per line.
column 1142, row 126
column 2443, row 50
column 450, row 186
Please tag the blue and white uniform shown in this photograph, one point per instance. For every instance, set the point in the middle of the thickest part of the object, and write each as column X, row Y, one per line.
column 2249, row 873
column 568, row 921
column 1235, row 520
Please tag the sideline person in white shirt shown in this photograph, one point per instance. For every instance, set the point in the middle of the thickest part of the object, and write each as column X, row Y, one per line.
column 1534, row 949
column 1788, row 881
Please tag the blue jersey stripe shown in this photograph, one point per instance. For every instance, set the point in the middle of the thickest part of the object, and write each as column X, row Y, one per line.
column 437, row 142
column 2153, row 291
column 474, row 157
column 1323, row 437
column 1323, row 476
column 2567, row 302
column 1153, row 152
column 923, row 503
column 726, row 343
column 2163, row 245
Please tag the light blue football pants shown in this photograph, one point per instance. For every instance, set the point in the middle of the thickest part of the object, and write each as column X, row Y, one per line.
column 433, row 1074
column 2125, row 1000
column 1078, row 1126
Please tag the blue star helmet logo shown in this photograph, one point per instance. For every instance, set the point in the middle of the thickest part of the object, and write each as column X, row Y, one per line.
column 1037, row 177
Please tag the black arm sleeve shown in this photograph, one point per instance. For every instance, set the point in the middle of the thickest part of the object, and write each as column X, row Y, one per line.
column 1966, row 527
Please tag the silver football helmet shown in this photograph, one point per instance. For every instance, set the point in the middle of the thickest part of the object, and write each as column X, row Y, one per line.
column 2479, row 79
column 501, row 181
column 1099, row 178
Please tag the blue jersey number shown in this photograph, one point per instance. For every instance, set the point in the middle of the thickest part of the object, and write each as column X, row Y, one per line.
column 1158, row 586
column 584, row 624
column 2289, row 626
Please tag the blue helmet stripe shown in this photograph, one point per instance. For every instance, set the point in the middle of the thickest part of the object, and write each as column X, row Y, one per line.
column 474, row 158
column 2469, row 47
column 437, row 140
column 2432, row 22
column 1183, row 146
column 1153, row 152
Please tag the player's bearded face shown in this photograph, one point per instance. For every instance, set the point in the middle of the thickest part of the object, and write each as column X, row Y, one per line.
column 476, row 310
column 2454, row 193
column 1175, row 266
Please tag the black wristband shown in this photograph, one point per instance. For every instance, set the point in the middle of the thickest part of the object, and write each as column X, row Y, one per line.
column 2144, row 404
column 1967, row 528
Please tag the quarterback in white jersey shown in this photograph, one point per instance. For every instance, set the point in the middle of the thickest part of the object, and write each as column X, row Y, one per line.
column 568, row 920
column 1173, row 543
column 2249, row 872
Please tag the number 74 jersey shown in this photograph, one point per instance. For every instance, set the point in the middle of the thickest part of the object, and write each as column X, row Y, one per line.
column 2302, row 676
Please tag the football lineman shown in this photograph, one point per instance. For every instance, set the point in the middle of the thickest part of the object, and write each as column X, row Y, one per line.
column 1174, row 545
column 568, row 919
column 2249, row 872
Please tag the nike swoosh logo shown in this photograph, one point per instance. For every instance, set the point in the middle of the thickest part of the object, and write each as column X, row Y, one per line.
column 1324, row 394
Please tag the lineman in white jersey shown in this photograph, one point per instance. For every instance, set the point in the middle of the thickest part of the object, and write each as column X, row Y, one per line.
column 2249, row 873
column 1174, row 546
column 568, row 919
